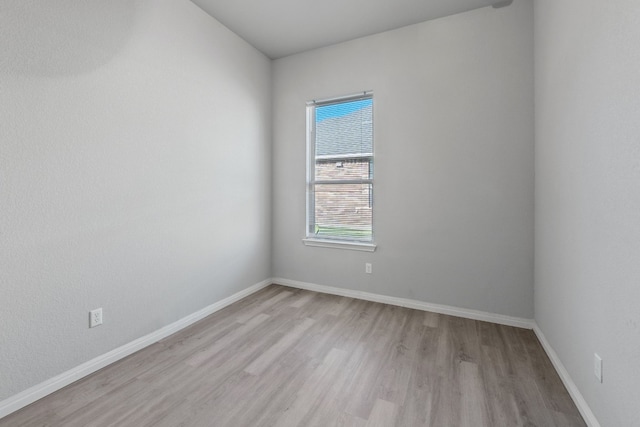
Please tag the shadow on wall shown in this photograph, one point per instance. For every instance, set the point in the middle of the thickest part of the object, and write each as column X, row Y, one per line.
column 62, row 37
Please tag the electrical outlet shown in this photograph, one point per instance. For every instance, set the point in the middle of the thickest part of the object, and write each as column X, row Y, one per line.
column 95, row 317
column 367, row 268
column 597, row 366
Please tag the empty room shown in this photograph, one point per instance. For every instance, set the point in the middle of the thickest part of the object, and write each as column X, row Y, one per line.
column 339, row 213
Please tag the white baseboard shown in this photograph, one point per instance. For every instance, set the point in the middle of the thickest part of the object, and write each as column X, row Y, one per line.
column 45, row 388
column 575, row 394
column 409, row 303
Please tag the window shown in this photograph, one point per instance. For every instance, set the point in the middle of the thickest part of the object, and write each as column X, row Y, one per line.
column 340, row 172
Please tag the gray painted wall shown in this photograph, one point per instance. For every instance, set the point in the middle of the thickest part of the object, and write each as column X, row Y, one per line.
column 587, row 276
column 134, row 175
column 453, row 124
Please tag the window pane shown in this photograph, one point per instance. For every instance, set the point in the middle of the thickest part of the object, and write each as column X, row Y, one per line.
column 345, row 129
column 343, row 211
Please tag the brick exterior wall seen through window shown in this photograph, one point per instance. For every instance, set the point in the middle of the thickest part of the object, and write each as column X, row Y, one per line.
column 345, row 206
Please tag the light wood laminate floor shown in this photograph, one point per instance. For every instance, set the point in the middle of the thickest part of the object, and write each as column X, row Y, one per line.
column 287, row 357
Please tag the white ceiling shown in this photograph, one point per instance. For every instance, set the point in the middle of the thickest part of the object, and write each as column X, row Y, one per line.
column 283, row 27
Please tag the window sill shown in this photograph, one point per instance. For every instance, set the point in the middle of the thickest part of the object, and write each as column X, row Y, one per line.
column 337, row 244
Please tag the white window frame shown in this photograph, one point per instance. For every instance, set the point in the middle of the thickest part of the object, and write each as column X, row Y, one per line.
column 310, row 238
